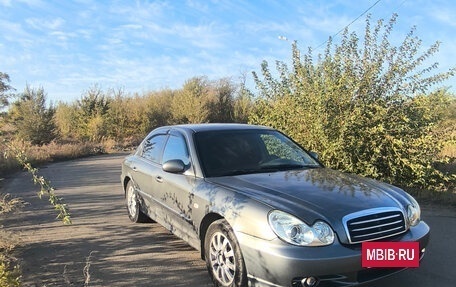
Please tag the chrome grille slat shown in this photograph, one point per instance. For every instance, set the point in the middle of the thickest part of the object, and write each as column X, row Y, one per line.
column 375, row 233
column 374, row 224
column 366, row 221
column 377, row 226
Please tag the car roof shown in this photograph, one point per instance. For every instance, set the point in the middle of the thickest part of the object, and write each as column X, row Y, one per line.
column 194, row 128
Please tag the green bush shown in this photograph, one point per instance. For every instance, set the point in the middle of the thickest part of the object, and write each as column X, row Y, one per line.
column 363, row 106
column 9, row 276
column 31, row 117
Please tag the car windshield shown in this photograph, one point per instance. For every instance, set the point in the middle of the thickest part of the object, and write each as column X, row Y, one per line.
column 235, row 152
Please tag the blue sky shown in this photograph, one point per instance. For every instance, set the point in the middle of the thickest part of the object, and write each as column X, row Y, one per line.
column 68, row 46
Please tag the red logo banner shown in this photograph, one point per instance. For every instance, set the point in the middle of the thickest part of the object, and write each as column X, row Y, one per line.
column 391, row 254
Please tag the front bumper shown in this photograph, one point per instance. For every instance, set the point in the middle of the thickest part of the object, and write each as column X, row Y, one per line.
column 276, row 263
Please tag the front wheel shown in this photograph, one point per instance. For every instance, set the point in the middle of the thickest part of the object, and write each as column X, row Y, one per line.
column 223, row 256
column 133, row 206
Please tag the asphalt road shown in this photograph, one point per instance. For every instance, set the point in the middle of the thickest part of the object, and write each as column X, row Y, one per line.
column 104, row 244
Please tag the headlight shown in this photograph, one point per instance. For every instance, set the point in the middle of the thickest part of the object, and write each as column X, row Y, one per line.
column 413, row 212
column 294, row 231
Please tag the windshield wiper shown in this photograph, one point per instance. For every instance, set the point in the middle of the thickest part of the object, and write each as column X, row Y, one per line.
column 243, row 171
column 282, row 167
column 268, row 168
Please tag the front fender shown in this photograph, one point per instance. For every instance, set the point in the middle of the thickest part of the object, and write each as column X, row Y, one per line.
column 244, row 214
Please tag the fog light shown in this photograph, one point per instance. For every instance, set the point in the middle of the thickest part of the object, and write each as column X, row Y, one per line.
column 309, row 282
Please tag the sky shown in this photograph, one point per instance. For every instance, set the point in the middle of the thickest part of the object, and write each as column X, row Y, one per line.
column 68, row 46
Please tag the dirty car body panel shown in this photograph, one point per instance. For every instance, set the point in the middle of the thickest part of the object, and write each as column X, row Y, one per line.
column 289, row 215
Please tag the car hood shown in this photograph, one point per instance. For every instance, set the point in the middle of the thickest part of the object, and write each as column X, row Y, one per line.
column 314, row 194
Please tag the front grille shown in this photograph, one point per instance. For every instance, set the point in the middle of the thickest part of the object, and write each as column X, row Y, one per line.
column 373, row 224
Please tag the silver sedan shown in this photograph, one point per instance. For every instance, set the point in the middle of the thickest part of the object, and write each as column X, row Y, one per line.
column 262, row 210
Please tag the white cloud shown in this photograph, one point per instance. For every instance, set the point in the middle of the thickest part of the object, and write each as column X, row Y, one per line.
column 85, row 33
column 258, row 27
column 32, row 3
column 198, row 5
column 132, row 26
column 62, row 36
column 140, row 12
column 45, row 24
column 14, row 33
column 444, row 16
column 6, row 3
column 210, row 36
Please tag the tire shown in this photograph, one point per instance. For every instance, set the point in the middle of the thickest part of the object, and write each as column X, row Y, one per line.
column 133, row 206
column 223, row 256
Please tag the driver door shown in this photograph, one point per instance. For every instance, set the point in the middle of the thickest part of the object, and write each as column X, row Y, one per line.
column 176, row 188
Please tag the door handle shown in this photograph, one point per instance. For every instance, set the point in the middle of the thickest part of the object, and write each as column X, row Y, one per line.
column 159, row 178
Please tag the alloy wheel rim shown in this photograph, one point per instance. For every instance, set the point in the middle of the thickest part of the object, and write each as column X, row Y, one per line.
column 131, row 201
column 222, row 258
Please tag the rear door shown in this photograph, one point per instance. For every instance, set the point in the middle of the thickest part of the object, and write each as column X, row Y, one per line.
column 147, row 172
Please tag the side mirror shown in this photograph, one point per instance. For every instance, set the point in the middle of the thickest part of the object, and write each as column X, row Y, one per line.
column 174, row 166
column 314, row 155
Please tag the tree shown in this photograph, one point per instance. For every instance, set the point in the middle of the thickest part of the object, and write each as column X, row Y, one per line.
column 243, row 102
column 159, row 109
column 92, row 108
column 118, row 117
column 32, row 118
column 4, row 99
column 66, row 121
column 190, row 104
column 4, row 87
column 357, row 105
column 202, row 101
column 128, row 117
column 221, row 107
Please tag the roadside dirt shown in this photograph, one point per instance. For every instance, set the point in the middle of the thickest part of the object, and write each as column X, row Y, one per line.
column 103, row 248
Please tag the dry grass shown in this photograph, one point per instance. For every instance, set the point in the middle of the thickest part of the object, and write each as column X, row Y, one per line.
column 8, row 241
column 10, row 273
column 449, row 150
column 10, row 204
column 447, row 198
column 86, row 270
column 53, row 152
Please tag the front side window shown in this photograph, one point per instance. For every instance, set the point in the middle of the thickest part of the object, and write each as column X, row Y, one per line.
column 176, row 148
column 152, row 148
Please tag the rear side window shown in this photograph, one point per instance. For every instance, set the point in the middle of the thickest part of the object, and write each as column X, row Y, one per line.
column 153, row 147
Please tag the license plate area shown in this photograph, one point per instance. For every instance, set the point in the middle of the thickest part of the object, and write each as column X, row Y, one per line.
column 390, row 254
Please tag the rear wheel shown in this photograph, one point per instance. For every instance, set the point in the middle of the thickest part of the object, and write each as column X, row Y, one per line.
column 133, row 206
column 223, row 256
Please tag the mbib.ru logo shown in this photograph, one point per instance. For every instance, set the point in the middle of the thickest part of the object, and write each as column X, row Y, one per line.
column 390, row 254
